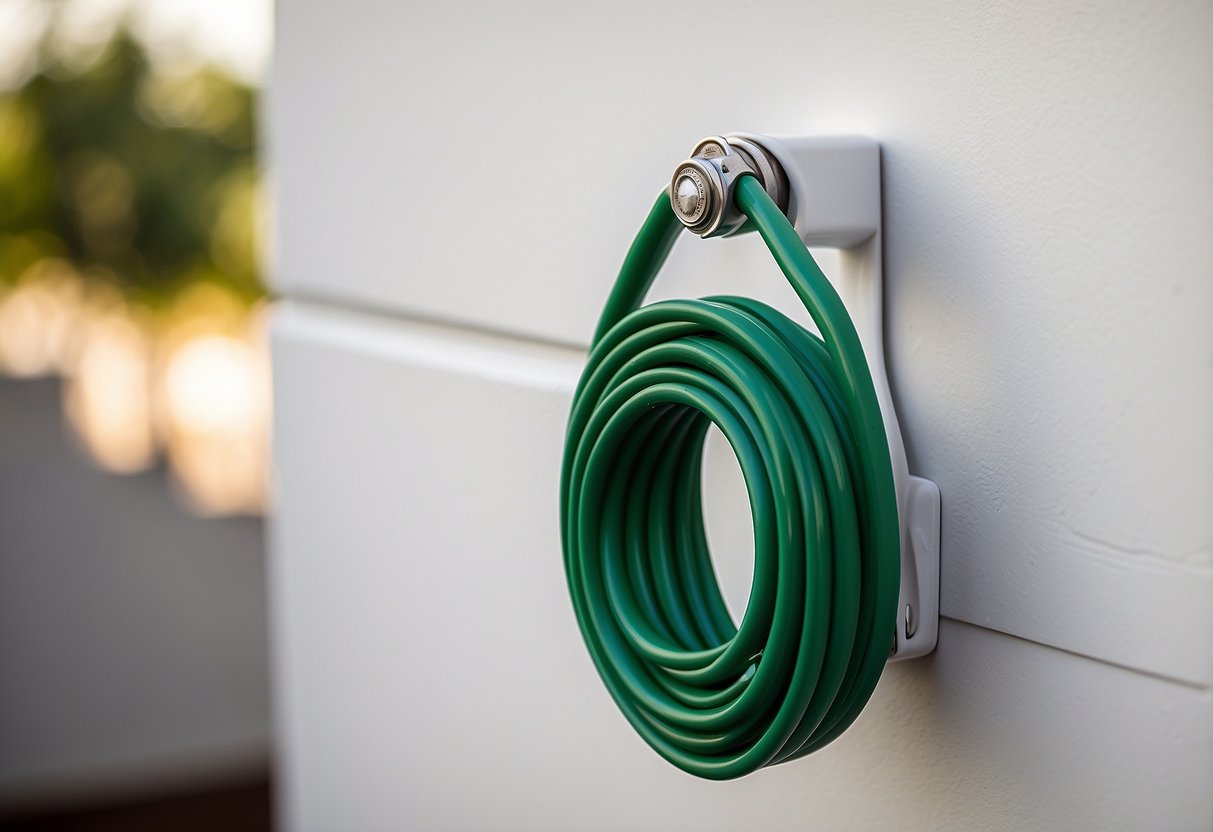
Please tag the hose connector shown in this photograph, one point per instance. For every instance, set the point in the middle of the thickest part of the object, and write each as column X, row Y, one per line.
column 701, row 190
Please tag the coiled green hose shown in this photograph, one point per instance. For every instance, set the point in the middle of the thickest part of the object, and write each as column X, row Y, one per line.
column 716, row 699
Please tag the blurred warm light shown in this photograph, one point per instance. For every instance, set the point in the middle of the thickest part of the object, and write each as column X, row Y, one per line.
column 36, row 318
column 192, row 379
column 217, row 409
column 84, row 27
column 107, row 395
column 234, row 34
column 213, row 385
column 21, row 21
column 181, row 34
column 203, row 309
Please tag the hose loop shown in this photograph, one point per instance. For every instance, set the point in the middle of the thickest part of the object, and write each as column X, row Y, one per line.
column 718, row 699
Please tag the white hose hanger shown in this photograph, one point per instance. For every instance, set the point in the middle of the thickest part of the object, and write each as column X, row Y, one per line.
column 835, row 202
column 846, row 573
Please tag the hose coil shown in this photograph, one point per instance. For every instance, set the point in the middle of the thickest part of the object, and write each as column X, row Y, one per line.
column 716, row 699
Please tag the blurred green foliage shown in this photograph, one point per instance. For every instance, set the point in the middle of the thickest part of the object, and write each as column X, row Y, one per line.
column 138, row 178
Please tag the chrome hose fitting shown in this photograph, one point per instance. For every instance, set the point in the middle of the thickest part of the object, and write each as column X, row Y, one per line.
column 701, row 190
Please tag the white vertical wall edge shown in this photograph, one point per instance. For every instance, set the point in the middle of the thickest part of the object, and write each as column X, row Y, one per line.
column 834, row 202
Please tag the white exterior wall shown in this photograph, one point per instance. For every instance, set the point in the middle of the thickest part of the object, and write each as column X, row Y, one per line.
column 456, row 186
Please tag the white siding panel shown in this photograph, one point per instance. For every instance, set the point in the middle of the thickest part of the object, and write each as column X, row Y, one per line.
column 430, row 674
column 1048, row 207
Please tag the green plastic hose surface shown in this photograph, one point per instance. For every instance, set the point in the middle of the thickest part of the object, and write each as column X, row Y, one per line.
column 716, row 699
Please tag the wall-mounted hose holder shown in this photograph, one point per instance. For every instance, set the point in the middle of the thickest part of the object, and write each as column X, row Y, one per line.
column 846, row 569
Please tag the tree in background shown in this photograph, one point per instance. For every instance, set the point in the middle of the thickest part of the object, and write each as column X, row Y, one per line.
column 134, row 177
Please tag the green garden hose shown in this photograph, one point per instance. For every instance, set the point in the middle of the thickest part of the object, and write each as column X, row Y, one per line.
column 717, row 699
